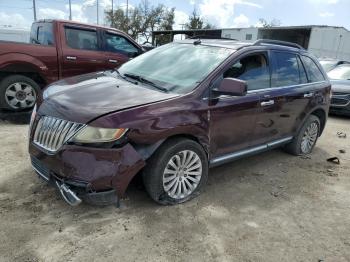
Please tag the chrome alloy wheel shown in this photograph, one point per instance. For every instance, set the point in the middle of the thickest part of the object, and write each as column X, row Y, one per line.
column 309, row 138
column 20, row 95
column 182, row 174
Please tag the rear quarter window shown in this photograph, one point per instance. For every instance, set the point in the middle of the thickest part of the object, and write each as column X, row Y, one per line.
column 314, row 74
column 41, row 34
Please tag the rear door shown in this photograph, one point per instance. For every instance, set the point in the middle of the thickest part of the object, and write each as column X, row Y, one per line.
column 81, row 50
column 284, row 105
column 118, row 49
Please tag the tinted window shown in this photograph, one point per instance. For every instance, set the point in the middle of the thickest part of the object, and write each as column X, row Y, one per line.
column 119, row 44
column 45, row 36
column 81, row 39
column 253, row 69
column 41, row 34
column 286, row 72
column 313, row 72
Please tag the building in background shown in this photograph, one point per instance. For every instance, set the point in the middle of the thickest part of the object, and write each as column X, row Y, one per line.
column 9, row 33
column 322, row 41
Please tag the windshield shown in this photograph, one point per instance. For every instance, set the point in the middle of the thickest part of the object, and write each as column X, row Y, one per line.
column 176, row 67
column 327, row 65
column 340, row 73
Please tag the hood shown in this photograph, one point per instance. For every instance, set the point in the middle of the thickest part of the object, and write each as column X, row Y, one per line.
column 86, row 97
column 341, row 86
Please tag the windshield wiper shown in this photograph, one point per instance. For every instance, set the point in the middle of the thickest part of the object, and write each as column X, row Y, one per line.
column 124, row 77
column 146, row 81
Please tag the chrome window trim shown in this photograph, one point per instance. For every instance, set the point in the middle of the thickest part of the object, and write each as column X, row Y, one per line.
column 257, row 91
column 283, row 87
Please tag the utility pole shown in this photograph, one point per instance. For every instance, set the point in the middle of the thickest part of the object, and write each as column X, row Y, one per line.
column 70, row 10
column 34, row 10
column 112, row 7
column 127, row 15
column 97, row 10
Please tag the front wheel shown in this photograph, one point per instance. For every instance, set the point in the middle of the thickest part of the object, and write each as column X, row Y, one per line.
column 18, row 92
column 304, row 142
column 176, row 172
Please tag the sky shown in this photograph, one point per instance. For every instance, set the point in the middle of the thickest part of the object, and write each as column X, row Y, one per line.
column 221, row 13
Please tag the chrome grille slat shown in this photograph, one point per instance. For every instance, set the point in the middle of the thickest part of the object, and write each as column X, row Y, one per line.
column 51, row 133
column 58, row 135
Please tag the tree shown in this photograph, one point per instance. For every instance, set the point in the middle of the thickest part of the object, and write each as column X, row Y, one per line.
column 117, row 19
column 197, row 22
column 274, row 22
column 143, row 19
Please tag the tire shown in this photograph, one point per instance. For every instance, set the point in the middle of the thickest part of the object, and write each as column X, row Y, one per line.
column 154, row 172
column 18, row 93
column 296, row 146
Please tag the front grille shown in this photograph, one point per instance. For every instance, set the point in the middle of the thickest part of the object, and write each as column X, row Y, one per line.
column 339, row 101
column 51, row 133
column 341, row 94
column 41, row 169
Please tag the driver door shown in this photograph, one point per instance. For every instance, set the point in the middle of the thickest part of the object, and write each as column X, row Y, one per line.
column 233, row 118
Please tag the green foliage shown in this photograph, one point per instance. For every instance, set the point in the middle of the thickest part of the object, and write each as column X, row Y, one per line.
column 195, row 21
column 142, row 20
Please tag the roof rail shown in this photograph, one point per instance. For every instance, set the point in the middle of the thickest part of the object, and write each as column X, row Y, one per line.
column 210, row 37
column 277, row 42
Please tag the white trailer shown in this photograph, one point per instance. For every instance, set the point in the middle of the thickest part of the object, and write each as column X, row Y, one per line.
column 13, row 34
column 322, row 41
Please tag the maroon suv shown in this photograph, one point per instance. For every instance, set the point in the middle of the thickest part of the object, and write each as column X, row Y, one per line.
column 173, row 113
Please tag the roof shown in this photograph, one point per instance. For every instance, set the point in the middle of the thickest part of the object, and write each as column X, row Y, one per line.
column 232, row 44
column 76, row 23
column 235, row 44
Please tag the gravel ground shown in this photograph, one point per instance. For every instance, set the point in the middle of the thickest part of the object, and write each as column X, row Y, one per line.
column 269, row 207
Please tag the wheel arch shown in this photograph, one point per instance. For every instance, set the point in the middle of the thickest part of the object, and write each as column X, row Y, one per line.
column 23, row 65
column 322, row 116
column 147, row 151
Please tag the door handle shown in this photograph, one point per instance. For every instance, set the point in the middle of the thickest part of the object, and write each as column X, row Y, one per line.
column 71, row 58
column 309, row 95
column 267, row 103
column 113, row 61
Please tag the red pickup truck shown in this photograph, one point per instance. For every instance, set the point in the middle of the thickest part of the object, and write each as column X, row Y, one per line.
column 58, row 49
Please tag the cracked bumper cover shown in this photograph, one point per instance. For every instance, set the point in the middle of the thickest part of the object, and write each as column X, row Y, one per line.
column 95, row 174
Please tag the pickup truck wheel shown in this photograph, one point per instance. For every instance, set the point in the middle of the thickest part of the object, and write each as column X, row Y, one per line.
column 304, row 142
column 176, row 172
column 18, row 92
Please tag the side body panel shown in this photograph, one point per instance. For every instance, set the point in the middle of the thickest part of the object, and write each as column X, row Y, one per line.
column 30, row 58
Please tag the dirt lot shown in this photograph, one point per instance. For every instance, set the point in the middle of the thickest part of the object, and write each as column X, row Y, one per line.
column 270, row 207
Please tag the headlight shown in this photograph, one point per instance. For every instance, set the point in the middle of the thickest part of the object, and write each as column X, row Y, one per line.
column 91, row 134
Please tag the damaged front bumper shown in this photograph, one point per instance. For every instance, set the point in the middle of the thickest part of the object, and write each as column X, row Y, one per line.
column 97, row 176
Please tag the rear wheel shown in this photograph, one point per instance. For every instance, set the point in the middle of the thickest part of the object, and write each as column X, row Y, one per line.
column 176, row 172
column 305, row 141
column 18, row 92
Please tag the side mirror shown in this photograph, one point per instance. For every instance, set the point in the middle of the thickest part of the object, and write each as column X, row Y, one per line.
column 147, row 47
column 232, row 87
